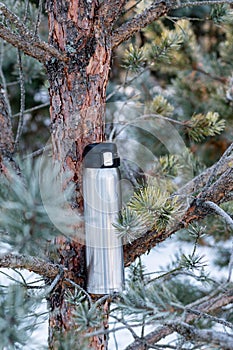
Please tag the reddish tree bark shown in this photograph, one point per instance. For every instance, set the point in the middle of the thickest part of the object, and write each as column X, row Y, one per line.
column 77, row 92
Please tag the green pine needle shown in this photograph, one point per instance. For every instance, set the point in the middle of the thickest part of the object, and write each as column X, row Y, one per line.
column 161, row 106
column 134, row 59
column 150, row 208
column 203, row 125
column 87, row 316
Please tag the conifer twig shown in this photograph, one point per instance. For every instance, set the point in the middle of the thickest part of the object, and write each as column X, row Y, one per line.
column 38, row 18
column 210, row 317
column 38, row 152
column 201, row 306
column 196, row 211
column 80, row 288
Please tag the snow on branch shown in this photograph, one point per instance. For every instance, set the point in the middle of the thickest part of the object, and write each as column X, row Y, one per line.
column 207, row 304
column 220, row 212
column 156, row 10
column 207, row 335
column 30, row 263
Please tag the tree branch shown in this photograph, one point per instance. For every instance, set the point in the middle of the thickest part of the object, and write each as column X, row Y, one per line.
column 152, row 13
column 200, row 182
column 29, row 48
column 220, row 212
column 214, row 171
column 127, row 29
column 176, row 4
column 208, row 336
column 210, row 305
column 33, row 264
column 215, row 193
column 110, row 10
column 25, row 40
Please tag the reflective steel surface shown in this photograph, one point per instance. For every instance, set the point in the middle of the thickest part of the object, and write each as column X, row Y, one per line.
column 104, row 251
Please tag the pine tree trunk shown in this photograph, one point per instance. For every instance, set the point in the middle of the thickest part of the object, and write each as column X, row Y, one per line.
column 77, row 93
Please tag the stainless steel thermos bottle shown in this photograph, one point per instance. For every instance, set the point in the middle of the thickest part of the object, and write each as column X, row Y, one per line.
column 102, row 203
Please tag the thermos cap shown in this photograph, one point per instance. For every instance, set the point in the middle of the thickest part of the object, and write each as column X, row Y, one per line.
column 101, row 155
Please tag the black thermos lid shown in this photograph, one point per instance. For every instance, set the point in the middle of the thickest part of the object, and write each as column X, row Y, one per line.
column 101, row 155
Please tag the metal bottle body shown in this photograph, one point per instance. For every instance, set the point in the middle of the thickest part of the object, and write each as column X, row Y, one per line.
column 104, row 252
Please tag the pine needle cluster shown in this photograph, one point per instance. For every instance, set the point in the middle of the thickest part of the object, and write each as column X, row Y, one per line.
column 201, row 126
column 150, row 208
column 31, row 203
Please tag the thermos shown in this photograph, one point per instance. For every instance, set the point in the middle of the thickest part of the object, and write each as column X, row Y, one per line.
column 102, row 203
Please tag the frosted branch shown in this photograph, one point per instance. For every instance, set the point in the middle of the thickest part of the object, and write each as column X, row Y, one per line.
column 204, row 305
column 33, row 264
column 127, row 29
column 220, row 212
column 207, row 335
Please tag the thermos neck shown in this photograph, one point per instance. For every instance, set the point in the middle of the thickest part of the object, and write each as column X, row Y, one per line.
column 101, row 155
